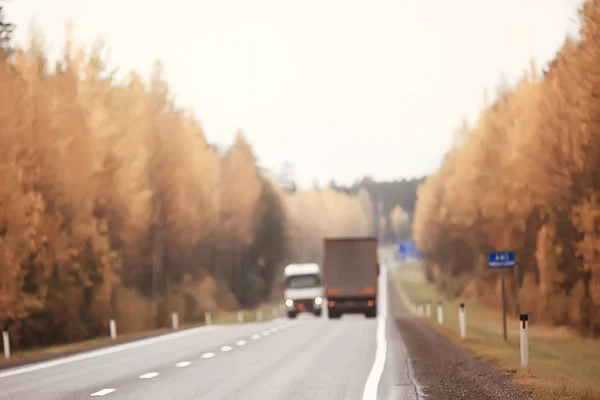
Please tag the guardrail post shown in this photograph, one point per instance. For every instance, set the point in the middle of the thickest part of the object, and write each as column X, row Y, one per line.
column 207, row 318
column 440, row 313
column 175, row 320
column 6, row 344
column 428, row 309
column 524, row 340
column 113, row 328
column 462, row 320
column 240, row 316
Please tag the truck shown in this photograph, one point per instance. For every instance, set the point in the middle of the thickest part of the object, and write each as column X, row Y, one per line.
column 350, row 274
column 303, row 289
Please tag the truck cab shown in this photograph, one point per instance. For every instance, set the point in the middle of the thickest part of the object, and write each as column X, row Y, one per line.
column 303, row 289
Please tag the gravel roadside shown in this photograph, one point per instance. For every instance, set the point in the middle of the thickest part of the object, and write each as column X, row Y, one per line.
column 443, row 369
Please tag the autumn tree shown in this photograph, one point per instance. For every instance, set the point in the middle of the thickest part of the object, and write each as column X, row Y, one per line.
column 525, row 177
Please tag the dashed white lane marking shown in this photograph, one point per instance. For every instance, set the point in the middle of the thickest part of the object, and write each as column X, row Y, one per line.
column 274, row 330
column 226, row 348
column 102, row 392
column 182, row 364
column 266, row 333
column 241, row 342
column 149, row 375
column 256, row 336
column 111, row 350
column 208, row 355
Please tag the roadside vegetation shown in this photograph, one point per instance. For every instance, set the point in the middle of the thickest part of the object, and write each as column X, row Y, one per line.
column 563, row 365
column 525, row 177
column 269, row 311
column 113, row 202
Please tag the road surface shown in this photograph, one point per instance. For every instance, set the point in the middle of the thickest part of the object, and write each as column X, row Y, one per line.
column 306, row 358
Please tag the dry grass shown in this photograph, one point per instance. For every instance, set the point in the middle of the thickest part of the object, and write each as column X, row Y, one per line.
column 562, row 364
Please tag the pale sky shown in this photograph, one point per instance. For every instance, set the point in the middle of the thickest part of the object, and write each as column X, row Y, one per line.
column 341, row 89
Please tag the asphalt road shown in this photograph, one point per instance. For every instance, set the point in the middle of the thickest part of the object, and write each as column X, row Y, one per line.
column 306, row 358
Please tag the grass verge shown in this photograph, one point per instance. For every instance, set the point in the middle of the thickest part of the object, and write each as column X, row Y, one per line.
column 562, row 365
column 47, row 353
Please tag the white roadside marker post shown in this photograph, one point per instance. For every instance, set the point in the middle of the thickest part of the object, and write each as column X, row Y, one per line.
column 420, row 310
column 462, row 319
column 6, row 344
column 524, row 340
column 175, row 320
column 428, row 309
column 259, row 315
column 112, row 323
column 207, row 318
column 440, row 313
column 240, row 317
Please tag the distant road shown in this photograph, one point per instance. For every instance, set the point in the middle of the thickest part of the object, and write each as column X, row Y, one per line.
column 306, row 358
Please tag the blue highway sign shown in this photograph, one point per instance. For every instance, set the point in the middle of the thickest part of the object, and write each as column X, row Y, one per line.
column 408, row 249
column 501, row 259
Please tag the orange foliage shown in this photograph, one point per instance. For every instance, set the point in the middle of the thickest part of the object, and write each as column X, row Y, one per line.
column 110, row 194
column 526, row 177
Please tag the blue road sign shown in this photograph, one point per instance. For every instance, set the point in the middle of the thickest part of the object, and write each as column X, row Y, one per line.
column 408, row 249
column 501, row 259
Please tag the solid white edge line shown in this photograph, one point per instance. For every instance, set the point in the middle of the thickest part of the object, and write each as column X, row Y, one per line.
column 102, row 392
column 149, row 375
column 106, row 351
column 372, row 384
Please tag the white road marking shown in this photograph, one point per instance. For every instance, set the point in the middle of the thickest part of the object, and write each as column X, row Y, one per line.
column 102, row 392
column 256, row 336
column 182, row 364
column 226, row 348
column 274, row 330
column 241, row 342
column 208, row 355
column 149, row 375
column 372, row 384
column 104, row 352
column 266, row 333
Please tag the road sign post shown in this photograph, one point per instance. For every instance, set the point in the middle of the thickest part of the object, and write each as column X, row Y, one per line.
column 502, row 260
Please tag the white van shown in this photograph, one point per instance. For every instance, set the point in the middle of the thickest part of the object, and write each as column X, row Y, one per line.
column 303, row 289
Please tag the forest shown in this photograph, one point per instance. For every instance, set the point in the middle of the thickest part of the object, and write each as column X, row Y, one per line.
column 526, row 177
column 393, row 205
column 113, row 202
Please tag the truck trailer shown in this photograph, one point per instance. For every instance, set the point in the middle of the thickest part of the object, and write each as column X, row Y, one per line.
column 350, row 272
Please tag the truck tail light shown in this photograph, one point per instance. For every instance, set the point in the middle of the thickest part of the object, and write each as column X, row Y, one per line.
column 331, row 303
column 370, row 303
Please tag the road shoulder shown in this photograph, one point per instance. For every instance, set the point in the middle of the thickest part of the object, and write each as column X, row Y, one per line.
column 442, row 369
